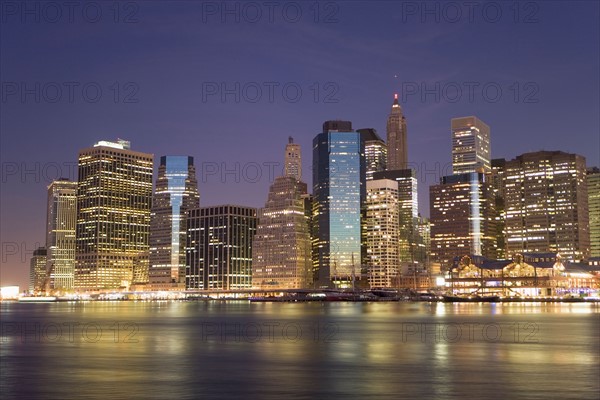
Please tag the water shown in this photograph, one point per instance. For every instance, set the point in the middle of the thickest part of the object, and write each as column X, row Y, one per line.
column 232, row 350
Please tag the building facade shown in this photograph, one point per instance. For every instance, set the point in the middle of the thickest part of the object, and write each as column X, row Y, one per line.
column 397, row 152
column 339, row 194
column 462, row 218
column 423, row 245
column 175, row 194
column 219, row 247
column 282, row 245
column 408, row 201
column 497, row 181
column 375, row 152
column 471, row 149
column 37, row 270
column 593, row 185
column 546, row 205
column 61, row 222
column 293, row 160
column 114, row 196
column 383, row 233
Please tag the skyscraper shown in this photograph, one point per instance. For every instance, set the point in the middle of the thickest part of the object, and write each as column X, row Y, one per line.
column 383, row 233
column 462, row 218
column 175, row 194
column 219, row 247
column 339, row 192
column 60, row 233
column 593, row 184
column 113, row 215
column 375, row 152
column 281, row 255
column 423, row 245
column 497, row 181
column 37, row 270
column 408, row 202
column 293, row 160
column 397, row 151
column 470, row 145
column 546, row 204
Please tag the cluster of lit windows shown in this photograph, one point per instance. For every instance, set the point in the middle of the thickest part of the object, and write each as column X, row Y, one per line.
column 282, row 246
column 383, row 233
column 219, row 247
column 463, row 217
column 542, row 199
column 113, row 221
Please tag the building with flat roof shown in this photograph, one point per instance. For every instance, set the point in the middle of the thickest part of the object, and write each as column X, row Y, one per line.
column 176, row 193
column 61, row 223
column 546, row 204
column 219, row 247
column 470, row 145
column 462, row 218
column 383, row 233
column 339, row 193
column 114, row 195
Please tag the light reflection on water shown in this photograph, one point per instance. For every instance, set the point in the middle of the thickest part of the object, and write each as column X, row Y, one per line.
column 310, row 350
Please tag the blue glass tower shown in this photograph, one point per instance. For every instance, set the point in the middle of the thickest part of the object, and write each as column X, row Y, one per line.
column 175, row 194
column 340, row 192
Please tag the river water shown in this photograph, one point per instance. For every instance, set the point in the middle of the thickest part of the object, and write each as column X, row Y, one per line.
column 236, row 350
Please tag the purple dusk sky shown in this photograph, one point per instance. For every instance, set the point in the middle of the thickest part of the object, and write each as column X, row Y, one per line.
column 181, row 77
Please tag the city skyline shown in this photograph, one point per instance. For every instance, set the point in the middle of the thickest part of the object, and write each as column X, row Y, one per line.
column 292, row 166
column 534, row 86
column 300, row 199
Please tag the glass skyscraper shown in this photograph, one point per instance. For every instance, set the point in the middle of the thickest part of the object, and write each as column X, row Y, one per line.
column 175, row 194
column 340, row 193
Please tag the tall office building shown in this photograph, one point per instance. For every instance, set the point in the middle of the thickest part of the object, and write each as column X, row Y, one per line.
column 462, row 218
column 175, row 194
column 37, row 270
column 339, row 192
column 593, row 184
column 113, row 215
column 546, row 204
column 219, row 247
column 408, row 202
column 281, row 255
column 397, row 152
column 375, row 152
column 383, row 233
column 470, row 145
column 61, row 222
column 423, row 243
column 293, row 160
column 497, row 182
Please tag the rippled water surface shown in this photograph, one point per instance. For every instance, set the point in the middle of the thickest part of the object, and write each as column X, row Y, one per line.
column 231, row 350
